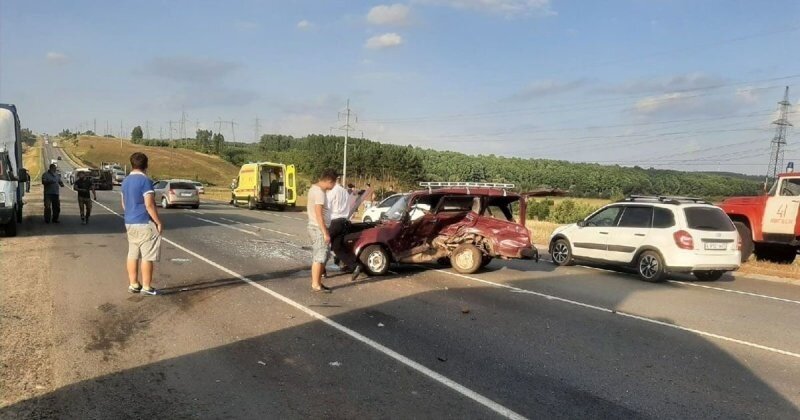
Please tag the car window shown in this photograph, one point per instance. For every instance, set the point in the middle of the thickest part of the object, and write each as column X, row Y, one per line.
column 389, row 202
column 181, row 186
column 5, row 167
column 790, row 187
column 457, row 203
column 197, row 184
column 604, row 218
column 397, row 210
column 160, row 185
column 663, row 218
column 708, row 218
column 498, row 212
column 636, row 217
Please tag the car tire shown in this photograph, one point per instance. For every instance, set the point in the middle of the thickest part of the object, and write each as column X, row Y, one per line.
column 708, row 275
column 367, row 219
column 466, row 259
column 11, row 228
column 779, row 254
column 561, row 253
column 485, row 260
column 747, row 240
column 375, row 260
column 19, row 213
column 251, row 204
column 164, row 203
column 650, row 267
column 196, row 206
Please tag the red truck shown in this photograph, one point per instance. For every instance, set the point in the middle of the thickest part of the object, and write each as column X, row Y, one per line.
column 768, row 224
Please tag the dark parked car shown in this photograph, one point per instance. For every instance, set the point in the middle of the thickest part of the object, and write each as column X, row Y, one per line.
column 467, row 224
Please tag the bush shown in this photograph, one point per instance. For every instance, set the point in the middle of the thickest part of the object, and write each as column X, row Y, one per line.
column 539, row 210
column 569, row 211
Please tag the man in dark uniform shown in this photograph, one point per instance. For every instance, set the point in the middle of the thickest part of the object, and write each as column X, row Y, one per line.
column 84, row 186
column 52, row 202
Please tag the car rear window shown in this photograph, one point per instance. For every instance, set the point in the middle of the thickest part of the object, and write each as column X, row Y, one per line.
column 708, row 218
column 663, row 218
column 457, row 204
column 181, row 186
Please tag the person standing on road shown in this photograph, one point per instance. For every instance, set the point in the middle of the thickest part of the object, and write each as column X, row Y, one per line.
column 339, row 204
column 52, row 202
column 319, row 218
column 85, row 188
column 142, row 224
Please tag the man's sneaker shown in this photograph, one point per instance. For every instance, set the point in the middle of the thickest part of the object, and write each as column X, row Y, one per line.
column 149, row 292
column 134, row 289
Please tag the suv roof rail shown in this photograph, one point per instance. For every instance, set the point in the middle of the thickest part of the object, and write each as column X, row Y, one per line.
column 666, row 199
column 431, row 185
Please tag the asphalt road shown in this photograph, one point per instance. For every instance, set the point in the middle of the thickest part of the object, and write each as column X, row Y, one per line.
column 238, row 334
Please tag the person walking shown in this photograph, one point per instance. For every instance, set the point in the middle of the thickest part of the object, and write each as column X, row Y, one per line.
column 318, row 222
column 52, row 202
column 85, row 188
column 143, row 226
column 339, row 204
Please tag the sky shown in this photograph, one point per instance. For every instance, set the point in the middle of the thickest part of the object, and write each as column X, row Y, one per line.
column 690, row 85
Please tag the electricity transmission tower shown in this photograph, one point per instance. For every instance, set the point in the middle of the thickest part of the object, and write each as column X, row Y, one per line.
column 232, row 123
column 778, row 144
column 257, row 129
column 348, row 116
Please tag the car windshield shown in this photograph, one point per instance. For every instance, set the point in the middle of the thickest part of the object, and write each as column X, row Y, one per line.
column 708, row 218
column 398, row 209
column 181, row 186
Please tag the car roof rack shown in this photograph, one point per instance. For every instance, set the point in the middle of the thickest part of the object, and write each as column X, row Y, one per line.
column 431, row 185
column 666, row 199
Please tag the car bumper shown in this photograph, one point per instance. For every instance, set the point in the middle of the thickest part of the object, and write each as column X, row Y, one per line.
column 6, row 215
column 688, row 262
column 179, row 201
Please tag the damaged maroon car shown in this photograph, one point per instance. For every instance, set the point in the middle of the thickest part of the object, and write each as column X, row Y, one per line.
column 463, row 224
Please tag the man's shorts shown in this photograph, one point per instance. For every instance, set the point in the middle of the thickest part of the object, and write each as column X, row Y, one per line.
column 319, row 249
column 144, row 242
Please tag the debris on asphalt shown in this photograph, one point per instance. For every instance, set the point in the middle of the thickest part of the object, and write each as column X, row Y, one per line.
column 180, row 260
column 380, row 325
column 465, row 310
column 442, row 358
column 261, row 363
column 335, row 364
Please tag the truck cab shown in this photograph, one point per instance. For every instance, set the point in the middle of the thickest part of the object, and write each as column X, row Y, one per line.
column 265, row 184
column 11, row 186
column 768, row 224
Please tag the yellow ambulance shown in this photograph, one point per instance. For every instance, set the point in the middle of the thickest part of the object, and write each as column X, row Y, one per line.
column 265, row 184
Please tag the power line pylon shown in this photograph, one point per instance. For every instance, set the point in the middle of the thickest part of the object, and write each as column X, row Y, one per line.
column 348, row 116
column 778, row 145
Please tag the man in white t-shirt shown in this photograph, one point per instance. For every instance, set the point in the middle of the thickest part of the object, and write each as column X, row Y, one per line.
column 319, row 218
column 339, row 204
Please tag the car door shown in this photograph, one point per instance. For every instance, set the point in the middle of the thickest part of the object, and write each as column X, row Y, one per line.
column 780, row 214
column 590, row 238
column 631, row 232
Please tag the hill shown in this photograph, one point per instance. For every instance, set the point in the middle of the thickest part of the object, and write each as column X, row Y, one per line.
column 164, row 162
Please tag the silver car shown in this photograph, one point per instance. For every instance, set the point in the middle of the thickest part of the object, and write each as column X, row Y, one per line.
column 172, row 193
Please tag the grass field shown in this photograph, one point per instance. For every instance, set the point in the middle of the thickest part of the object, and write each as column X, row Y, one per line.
column 164, row 162
column 32, row 160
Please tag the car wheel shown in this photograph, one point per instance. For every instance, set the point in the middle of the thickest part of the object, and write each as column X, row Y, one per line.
column 651, row 267
column 367, row 219
column 466, row 259
column 11, row 228
column 164, row 203
column 708, row 275
column 196, row 206
column 561, row 252
column 375, row 260
column 747, row 240
column 251, row 204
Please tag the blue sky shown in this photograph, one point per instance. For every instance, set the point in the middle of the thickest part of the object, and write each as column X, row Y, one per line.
column 678, row 84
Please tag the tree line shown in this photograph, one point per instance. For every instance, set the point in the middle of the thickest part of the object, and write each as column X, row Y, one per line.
column 405, row 166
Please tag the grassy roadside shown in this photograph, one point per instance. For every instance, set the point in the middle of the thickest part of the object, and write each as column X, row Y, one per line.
column 541, row 231
column 32, row 160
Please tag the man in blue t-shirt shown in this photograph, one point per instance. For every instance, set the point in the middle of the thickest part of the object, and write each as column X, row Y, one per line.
column 142, row 224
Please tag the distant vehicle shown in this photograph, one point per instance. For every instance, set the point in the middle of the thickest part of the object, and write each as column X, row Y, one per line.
column 768, row 224
column 175, row 192
column 265, row 184
column 374, row 213
column 12, row 175
column 59, row 157
column 102, row 179
column 119, row 176
column 72, row 176
column 464, row 224
column 656, row 236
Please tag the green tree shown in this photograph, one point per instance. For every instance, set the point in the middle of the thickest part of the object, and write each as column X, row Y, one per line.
column 219, row 143
column 28, row 137
column 203, row 138
column 137, row 135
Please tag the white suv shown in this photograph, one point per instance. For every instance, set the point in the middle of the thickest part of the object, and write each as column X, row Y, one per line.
column 654, row 235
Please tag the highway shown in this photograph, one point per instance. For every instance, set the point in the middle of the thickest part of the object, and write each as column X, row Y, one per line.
column 239, row 334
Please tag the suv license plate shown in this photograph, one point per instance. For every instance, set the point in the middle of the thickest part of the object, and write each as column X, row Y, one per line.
column 714, row 246
column 190, row 194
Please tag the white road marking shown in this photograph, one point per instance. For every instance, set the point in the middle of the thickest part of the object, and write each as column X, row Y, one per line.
column 738, row 292
column 256, row 227
column 225, row 226
column 194, row 211
column 455, row 386
column 626, row 315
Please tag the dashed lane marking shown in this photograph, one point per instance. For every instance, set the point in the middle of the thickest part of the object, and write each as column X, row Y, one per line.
column 256, row 227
